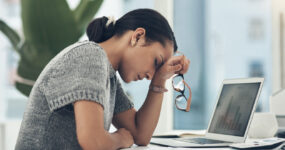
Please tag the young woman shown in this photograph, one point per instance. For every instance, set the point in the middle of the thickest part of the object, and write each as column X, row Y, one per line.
column 78, row 95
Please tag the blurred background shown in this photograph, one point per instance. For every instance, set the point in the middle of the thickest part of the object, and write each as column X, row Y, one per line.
column 223, row 39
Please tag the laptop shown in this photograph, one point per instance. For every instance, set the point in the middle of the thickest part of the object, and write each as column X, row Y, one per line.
column 231, row 118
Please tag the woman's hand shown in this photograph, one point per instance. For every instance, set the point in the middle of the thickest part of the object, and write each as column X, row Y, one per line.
column 127, row 139
column 174, row 65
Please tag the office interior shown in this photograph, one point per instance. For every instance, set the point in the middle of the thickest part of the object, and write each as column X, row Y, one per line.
column 224, row 39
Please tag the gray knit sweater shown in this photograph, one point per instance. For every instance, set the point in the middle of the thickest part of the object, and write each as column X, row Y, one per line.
column 79, row 72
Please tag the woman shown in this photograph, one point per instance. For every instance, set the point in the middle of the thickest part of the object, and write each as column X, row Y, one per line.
column 78, row 95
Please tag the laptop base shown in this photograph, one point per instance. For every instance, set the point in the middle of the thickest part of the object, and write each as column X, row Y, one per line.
column 180, row 142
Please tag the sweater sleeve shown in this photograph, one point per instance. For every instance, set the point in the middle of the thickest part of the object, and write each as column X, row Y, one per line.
column 80, row 74
column 123, row 102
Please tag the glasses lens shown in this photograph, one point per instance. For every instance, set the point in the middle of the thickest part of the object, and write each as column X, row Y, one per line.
column 181, row 102
column 178, row 83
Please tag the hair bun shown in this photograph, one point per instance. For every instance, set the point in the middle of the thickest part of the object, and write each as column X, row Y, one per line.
column 101, row 29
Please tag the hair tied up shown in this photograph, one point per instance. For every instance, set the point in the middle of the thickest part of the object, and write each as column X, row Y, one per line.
column 156, row 27
column 111, row 19
column 101, row 29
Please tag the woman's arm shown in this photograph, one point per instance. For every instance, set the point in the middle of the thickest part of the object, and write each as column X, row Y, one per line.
column 90, row 129
column 143, row 122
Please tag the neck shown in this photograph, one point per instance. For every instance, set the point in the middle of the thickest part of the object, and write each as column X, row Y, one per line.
column 115, row 48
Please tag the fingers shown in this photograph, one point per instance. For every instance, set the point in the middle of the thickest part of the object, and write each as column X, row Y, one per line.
column 176, row 68
column 185, row 67
column 177, row 60
column 180, row 64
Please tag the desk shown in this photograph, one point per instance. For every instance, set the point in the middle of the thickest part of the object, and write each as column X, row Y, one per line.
column 155, row 147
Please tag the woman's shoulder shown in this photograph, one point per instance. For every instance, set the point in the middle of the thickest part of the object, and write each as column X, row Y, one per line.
column 81, row 49
column 84, row 45
column 80, row 57
column 80, row 53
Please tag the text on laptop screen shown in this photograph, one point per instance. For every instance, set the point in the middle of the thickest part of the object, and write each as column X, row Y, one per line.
column 234, row 108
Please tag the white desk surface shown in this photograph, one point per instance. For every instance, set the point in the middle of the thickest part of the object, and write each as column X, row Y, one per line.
column 155, row 147
column 191, row 133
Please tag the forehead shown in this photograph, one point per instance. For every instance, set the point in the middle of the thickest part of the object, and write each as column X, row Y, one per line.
column 166, row 51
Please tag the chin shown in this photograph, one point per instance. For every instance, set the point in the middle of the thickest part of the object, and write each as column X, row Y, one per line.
column 126, row 79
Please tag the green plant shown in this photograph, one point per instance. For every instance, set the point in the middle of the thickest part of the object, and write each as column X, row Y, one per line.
column 49, row 26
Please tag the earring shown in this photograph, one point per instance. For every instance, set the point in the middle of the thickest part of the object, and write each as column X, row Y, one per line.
column 133, row 42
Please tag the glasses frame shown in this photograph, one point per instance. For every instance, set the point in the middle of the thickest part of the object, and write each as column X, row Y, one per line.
column 182, row 93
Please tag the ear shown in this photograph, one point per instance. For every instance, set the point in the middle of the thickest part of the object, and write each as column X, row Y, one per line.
column 138, row 36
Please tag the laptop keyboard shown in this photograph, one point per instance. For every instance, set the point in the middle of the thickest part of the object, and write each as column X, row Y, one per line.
column 201, row 141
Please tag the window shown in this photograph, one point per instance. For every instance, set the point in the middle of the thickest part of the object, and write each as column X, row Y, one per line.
column 12, row 102
column 223, row 39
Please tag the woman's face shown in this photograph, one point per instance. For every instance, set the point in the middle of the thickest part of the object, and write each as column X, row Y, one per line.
column 143, row 59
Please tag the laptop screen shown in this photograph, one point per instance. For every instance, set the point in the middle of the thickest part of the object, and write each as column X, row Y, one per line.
column 234, row 108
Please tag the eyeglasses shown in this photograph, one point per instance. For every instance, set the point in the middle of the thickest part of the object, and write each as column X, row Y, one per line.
column 182, row 103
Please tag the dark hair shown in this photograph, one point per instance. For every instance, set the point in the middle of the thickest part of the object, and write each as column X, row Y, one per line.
column 156, row 26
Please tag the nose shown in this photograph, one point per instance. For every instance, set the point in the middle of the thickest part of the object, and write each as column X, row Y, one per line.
column 149, row 76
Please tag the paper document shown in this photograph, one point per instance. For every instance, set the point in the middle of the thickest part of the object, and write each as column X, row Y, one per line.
column 181, row 133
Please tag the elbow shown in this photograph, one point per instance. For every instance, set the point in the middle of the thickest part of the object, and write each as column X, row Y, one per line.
column 142, row 138
column 83, row 144
column 142, row 141
column 86, row 144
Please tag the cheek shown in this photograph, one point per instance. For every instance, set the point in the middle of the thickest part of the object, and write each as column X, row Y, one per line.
column 127, row 69
column 133, row 64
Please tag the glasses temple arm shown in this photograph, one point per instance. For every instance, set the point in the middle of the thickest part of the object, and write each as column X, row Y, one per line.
column 190, row 97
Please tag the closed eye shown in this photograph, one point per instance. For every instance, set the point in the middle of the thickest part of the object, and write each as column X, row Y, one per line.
column 155, row 63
